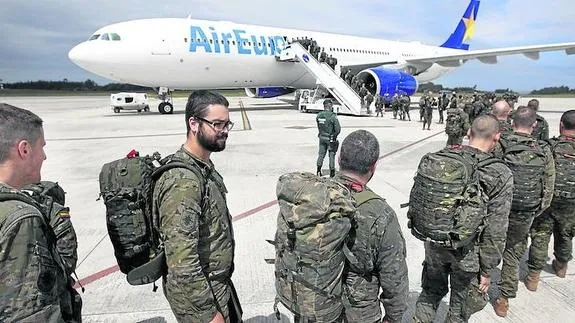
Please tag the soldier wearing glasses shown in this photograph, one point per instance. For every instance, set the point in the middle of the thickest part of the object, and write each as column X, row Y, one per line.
column 195, row 224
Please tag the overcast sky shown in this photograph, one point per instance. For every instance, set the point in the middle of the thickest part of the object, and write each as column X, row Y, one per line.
column 36, row 35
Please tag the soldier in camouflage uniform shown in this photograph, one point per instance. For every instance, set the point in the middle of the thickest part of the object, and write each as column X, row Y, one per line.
column 427, row 110
column 559, row 218
column 33, row 277
column 456, row 125
column 328, row 130
column 520, row 220
column 396, row 106
column 469, row 268
column 541, row 131
column 500, row 110
column 195, row 224
column 405, row 105
column 378, row 239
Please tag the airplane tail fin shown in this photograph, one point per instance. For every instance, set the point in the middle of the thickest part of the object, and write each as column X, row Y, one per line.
column 465, row 28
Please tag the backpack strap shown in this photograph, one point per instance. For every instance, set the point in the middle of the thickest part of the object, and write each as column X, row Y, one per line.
column 365, row 196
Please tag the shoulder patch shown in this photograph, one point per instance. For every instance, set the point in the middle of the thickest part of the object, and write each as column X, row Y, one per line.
column 64, row 214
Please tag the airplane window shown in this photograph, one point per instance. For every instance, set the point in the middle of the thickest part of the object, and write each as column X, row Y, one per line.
column 249, row 43
column 115, row 36
column 186, row 39
column 233, row 42
column 260, row 44
column 104, row 37
column 95, row 36
column 222, row 41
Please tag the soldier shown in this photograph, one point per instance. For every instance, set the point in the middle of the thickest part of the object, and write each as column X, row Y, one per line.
column 195, row 226
column 456, row 125
column 442, row 106
column 322, row 56
column 379, row 105
column 367, row 101
column 541, row 131
column 427, row 111
column 559, row 218
column 405, row 105
column 362, row 90
column 453, row 101
column 378, row 239
column 396, row 106
column 500, row 110
column 328, row 130
column 349, row 77
column 532, row 194
column 33, row 276
column 469, row 268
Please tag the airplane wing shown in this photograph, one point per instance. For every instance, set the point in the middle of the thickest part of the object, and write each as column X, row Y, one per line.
column 489, row 56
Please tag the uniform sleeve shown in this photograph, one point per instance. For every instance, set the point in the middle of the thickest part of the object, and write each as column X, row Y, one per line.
column 549, row 181
column 545, row 133
column 336, row 126
column 28, row 271
column 392, row 268
column 498, row 184
column 187, row 288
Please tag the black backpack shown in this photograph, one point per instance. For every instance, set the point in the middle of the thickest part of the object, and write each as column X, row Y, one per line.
column 127, row 187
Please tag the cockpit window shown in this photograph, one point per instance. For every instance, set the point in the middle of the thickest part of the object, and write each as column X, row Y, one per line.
column 105, row 37
column 94, row 36
column 115, row 36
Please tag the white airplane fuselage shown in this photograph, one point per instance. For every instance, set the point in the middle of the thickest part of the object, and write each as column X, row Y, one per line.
column 199, row 54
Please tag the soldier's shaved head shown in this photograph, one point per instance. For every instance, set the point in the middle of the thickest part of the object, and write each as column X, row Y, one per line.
column 484, row 127
column 568, row 121
column 500, row 110
column 359, row 152
column 17, row 124
column 534, row 104
column 524, row 118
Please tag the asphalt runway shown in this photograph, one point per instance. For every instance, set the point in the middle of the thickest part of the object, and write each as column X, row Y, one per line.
column 83, row 133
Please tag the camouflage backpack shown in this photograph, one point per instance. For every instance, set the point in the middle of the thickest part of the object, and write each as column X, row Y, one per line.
column 564, row 155
column 127, row 186
column 447, row 205
column 453, row 122
column 526, row 158
column 313, row 224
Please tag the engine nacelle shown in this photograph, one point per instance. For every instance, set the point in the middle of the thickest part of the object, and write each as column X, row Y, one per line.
column 267, row 92
column 388, row 81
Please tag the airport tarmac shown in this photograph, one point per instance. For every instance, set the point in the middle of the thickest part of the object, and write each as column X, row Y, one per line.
column 83, row 133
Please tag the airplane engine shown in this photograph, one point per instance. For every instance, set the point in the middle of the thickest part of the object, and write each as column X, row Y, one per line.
column 267, row 92
column 384, row 80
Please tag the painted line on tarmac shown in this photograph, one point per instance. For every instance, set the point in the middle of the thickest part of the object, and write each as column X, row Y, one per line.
column 105, row 272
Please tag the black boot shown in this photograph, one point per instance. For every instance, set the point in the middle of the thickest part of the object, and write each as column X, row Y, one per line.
column 331, row 172
column 318, row 172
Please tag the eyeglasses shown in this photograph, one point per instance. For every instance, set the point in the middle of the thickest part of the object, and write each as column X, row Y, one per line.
column 218, row 125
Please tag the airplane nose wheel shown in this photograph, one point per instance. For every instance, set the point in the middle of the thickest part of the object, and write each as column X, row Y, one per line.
column 165, row 108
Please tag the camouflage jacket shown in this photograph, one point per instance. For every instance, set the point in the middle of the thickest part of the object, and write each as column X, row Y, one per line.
column 541, row 131
column 496, row 180
column 32, row 278
column 379, row 240
column 199, row 245
column 328, row 125
column 505, row 127
column 465, row 125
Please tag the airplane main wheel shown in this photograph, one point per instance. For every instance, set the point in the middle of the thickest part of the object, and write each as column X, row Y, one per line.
column 165, row 108
column 147, row 108
column 116, row 110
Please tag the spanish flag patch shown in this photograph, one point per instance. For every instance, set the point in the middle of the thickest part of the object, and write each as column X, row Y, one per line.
column 64, row 214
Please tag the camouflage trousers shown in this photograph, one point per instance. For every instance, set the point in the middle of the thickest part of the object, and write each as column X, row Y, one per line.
column 324, row 147
column 441, row 265
column 440, row 115
column 454, row 140
column 558, row 220
column 515, row 246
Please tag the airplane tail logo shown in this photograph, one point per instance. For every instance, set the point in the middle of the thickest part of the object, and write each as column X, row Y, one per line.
column 465, row 29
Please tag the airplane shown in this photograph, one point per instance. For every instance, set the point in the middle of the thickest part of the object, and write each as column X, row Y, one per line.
column 184, row 53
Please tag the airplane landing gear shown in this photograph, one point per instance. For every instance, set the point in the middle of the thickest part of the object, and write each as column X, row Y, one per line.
column 166, row 106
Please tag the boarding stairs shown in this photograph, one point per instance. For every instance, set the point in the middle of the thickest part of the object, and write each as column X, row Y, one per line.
column 347, row 97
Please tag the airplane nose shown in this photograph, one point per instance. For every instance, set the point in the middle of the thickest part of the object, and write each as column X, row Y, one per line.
column 76, row 54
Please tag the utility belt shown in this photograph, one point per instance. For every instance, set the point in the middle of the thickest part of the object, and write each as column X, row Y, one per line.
column 451, row 244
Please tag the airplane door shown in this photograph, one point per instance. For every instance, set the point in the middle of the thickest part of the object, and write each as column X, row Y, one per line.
column 161, row 47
